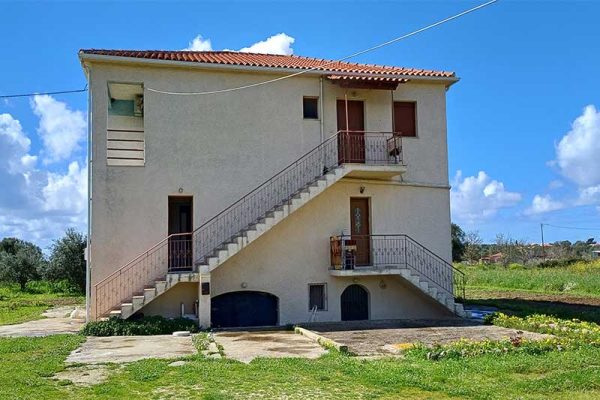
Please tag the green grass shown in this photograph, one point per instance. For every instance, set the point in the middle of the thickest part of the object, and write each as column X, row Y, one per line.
column 581, row 278
column 27, row 364
column 17, row 306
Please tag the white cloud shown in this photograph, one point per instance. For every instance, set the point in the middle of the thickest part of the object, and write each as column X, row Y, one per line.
column 67, row 192
column 589, row 195
column 14, row 146
column 276, row 44
column 578, row 152
column 280, row 43
column 60, row 128
column 476, row 198
column 37, row 204
column 543, row 204
column 199, row 44
column 555, row 184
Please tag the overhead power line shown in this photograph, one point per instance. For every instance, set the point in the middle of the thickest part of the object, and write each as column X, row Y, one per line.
column 359, row 53
column 572, row 227
column 9, row 96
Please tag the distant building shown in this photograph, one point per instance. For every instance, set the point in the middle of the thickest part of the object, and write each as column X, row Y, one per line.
column 491, row 259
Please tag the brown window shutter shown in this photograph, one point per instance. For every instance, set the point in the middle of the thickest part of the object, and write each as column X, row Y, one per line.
column 405, row 118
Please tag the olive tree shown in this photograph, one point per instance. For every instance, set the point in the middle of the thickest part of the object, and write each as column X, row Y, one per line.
column 67, row 260
column 20, row 261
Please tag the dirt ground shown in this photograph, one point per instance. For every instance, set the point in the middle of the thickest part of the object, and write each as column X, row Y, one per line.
column 391, row 337
column 558, row 299
column 246, row 346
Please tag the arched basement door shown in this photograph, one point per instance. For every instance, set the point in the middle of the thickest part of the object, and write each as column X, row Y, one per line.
column 355, row 303
column 244, row 308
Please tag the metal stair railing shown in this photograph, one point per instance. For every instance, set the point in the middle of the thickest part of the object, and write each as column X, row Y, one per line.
column 399, row 250
column 371, row 148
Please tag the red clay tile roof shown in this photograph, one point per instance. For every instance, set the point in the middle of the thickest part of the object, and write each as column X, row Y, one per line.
column 269, row 61
column 366, row 78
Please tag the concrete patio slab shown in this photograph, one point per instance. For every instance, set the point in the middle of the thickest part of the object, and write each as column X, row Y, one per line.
column 245, row 346
column 122, row 349
column 375, row 338
column 57, row 321
column 43, row 327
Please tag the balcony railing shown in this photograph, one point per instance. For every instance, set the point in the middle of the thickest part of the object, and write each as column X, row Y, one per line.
column 353, row 252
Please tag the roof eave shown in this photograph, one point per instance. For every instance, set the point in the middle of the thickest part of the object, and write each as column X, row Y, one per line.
column 85, row 57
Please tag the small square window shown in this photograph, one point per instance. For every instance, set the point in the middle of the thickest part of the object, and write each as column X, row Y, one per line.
column 310, row 107
column 317, row 296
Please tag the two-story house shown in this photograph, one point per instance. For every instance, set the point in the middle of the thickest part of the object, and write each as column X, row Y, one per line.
column 223, row 189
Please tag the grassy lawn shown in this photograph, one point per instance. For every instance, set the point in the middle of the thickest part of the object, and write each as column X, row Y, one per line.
column 27, row 364
column 17, row 306
column 567, row 292
column 581, row 279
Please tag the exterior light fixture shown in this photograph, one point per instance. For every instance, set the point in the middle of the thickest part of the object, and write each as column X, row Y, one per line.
column 244, row 285
column 362, row 189
column 180, row 190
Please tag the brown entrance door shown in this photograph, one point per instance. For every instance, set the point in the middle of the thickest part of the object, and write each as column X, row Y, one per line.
column 180, row 221
column 360, row 229
column 351, row 142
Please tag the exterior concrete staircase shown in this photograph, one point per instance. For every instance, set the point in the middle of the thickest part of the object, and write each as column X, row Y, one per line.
column 148, row 276
column 151, row 292
column 255, row 230
column 241, row 240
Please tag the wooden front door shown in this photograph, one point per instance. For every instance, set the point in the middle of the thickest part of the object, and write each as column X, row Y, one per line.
column 351, row 144
column 360, row 229
column 180, row 221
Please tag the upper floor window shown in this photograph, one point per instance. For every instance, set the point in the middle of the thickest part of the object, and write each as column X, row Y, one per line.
column 310, row 106
column 125, row 145
column 405, row 118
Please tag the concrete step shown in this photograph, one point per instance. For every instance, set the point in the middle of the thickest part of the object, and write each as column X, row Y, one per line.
column 160, row 286
column 115, row 313
column 137, row 301
column 149, row 294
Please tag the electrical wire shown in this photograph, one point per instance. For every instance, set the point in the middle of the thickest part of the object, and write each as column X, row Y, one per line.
column 572, row 227
column 321, row 67
column 10, row 96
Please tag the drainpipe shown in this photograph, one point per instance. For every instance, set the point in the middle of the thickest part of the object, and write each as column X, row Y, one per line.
column 88, row 264
column 321, row 108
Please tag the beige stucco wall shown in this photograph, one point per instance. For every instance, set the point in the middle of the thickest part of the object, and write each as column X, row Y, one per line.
column 219, row 147
column 169, row 303
column 296, row 252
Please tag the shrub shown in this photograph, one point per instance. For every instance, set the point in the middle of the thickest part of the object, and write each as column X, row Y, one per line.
column 468, row 348
column 58, row 287
column 559, row 263
column 573, row 329
column 154, row 325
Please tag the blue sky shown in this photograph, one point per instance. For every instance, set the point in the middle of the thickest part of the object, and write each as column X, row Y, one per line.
column 523, row 125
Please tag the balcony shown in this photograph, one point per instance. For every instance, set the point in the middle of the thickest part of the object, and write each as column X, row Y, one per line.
column 398, row 254
column 371, row 155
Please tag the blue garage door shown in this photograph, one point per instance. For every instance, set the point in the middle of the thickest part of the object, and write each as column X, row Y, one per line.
column 245, row 308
